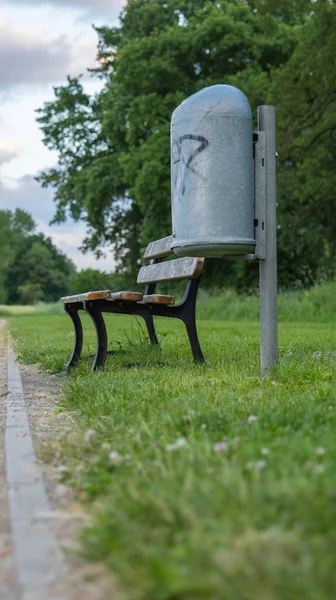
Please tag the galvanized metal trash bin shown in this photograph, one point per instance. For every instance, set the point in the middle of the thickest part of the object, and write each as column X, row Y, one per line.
column 212, row 174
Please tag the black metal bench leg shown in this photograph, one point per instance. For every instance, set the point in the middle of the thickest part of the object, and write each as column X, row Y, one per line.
column 190, row 323
column 151, row 329
column 78, row 345
column 188, row 315
column 99, row 323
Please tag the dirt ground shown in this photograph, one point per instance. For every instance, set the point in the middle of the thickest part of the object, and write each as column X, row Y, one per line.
column 82, row 580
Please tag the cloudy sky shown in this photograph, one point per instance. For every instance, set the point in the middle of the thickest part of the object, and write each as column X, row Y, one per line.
column 41, row 42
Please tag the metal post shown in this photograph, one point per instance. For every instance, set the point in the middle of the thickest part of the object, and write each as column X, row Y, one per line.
column 268, row 266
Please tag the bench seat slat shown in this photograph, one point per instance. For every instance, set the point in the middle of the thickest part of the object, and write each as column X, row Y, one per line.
column 159, row 299
column 159, row 249
column 87, row 297
column 173, row 270
column 127, row 296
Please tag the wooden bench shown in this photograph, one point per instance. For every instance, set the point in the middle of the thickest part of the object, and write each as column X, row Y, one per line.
column 146, row 305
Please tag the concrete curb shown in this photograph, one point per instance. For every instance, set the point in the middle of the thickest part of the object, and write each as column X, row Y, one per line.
column 39, row 561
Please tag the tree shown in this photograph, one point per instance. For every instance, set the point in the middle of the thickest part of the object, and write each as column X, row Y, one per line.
column 307, row 151
column 6, row 252
column 14, row 227
column 31, row 267
column 30, row 293
column 114, row 148
column 91, row 279
column 40, row 271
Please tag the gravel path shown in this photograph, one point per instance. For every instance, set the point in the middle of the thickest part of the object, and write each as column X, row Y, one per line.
column 64, row 517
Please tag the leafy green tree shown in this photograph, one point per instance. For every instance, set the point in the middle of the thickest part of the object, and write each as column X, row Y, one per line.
column 31, row 267
column 14, row 227
column 114, row 165
column 6, row 252
column 307, row 151
column 39, row 270
column 91, row 279
column 114, row 148
column 30, row 293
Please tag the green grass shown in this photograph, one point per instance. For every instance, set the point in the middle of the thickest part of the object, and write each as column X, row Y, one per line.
column 182, row 520
column 40, row 308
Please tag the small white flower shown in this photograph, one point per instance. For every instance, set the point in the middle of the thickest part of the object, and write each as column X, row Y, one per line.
column 319, row 469
column 260, row 464
column 320, row 451
column 106, row 446
column 115, row 458
column 89, row 435
column 264, row 451
column 251, row 419
column 257, row 465
column 203, row 425
column 221, row 446
column 180, row 443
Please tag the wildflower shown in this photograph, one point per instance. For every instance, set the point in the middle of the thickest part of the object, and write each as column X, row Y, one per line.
column 221, row 446
column 319, row 469
column 251, row 419
column 203, row 425
column 115, row 458
column 106, row 446
column 257, row 465
column 320, row 451
column 189, row 417
column 264, row 451
column 180, row 443
column 89, row 435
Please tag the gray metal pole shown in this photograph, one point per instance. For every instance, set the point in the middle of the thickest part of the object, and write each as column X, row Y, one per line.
column 268, row 266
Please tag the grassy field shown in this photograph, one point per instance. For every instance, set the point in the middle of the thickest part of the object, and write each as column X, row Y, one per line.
column 204, row 481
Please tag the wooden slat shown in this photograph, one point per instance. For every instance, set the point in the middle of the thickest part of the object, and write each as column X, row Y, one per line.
column 88, row 296
column 159, row 299
column 127, row 296
column 172, row 270
column 103, row 295
column 75, row 298
column 159, row 249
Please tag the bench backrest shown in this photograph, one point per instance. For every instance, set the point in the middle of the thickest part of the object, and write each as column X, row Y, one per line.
column 159, row 249
column 172, row 270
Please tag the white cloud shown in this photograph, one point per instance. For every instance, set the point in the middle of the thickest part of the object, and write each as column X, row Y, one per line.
column 28, row 58
column 94, row 8
column 78, row 3
column 7, row 152
column 27, row 194
column 41, row 42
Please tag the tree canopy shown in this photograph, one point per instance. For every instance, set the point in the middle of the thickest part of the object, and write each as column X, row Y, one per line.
column 114, row 147
column 32, row 269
